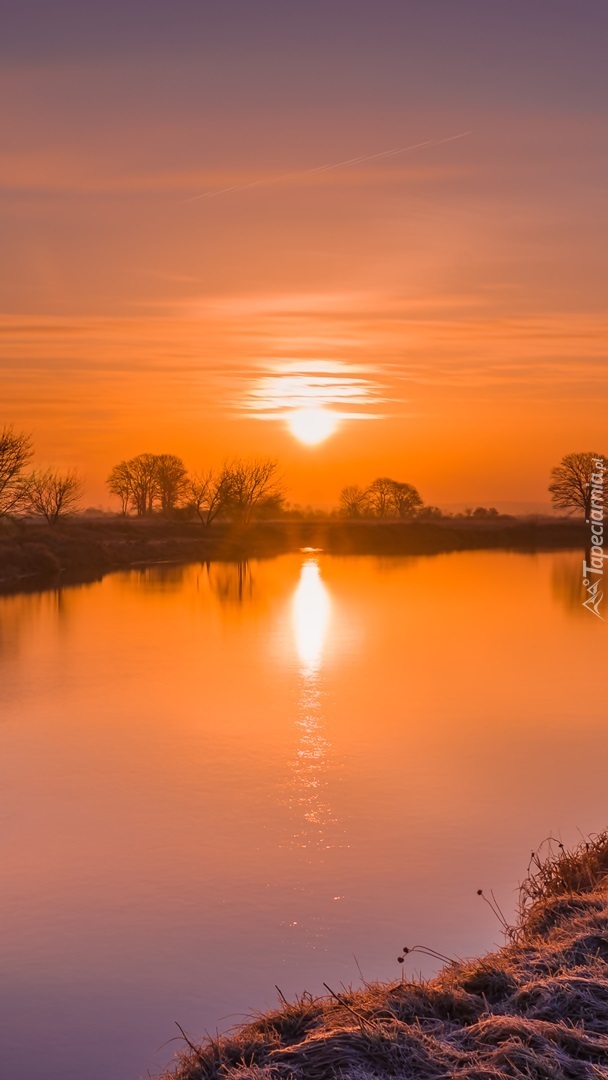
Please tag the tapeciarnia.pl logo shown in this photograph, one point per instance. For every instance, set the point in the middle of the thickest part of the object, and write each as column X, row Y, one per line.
column 593, row 571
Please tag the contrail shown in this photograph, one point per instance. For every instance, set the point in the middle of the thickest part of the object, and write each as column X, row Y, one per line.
column 326, row 168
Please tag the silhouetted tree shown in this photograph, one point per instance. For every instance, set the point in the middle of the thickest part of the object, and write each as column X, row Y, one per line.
column 379, row 496
column 571, row 482
column 53, row 494
column 120, row 483
column 246, row 484
column 353, row 501
column 405, row 500
column 144, row 481
column 393, row 498
column 149, row 482
column 207, row 494
column 15, row 453
column 171, row 481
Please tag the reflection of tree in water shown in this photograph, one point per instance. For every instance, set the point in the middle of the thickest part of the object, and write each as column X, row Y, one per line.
column 567, row 583
column 162, row 577
column 16, row 614
column 232, row 583
column 20, row 612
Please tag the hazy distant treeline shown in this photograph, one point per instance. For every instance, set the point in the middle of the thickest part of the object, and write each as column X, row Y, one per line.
column 241, row 489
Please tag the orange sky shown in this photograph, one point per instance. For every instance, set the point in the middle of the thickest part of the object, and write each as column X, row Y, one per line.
column 448, row 298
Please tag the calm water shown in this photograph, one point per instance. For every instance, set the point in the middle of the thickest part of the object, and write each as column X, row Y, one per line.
column 215, row 779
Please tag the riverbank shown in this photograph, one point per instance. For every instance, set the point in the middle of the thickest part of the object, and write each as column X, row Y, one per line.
column 34, row 556
column 536, row 1008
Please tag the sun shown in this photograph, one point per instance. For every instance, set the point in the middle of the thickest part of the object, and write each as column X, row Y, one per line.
column 312, row 426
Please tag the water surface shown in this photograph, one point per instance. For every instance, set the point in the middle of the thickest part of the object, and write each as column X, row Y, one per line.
column 220, row 778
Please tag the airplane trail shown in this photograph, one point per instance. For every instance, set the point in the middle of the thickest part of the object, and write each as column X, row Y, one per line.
column 394, row 152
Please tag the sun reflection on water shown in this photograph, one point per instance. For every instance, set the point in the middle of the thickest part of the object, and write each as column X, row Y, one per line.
column 311, row 767
column 311, row 617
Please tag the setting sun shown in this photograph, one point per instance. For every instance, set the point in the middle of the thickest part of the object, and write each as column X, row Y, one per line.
column 312, row 426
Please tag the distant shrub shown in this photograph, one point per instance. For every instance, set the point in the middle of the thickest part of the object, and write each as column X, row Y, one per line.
column 430, row 513
column 485, row 512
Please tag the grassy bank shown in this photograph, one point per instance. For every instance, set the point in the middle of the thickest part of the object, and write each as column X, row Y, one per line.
column 536, row 1008
column 34, row 555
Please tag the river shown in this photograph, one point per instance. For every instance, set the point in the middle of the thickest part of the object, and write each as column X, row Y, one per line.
column 218, row 779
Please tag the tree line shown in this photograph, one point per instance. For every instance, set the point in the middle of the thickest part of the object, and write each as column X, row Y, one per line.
column 384, row 498
column 240, row 489
column 570, row 488
column 160, row 483
column 146, row 484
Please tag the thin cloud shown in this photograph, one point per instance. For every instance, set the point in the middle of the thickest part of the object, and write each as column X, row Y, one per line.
column 348, row 163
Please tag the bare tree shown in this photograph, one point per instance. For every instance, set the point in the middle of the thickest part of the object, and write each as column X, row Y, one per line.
column 15, row 453
column 207, row 494
column 171, row 478
column 145, row 483
column 120, row 483
column 353, row 501
column 405, row 500
column 380, row 495
column 53, row 494
column 136, row 483
column 571, row 482
column 149, row 482
column 247, row 484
